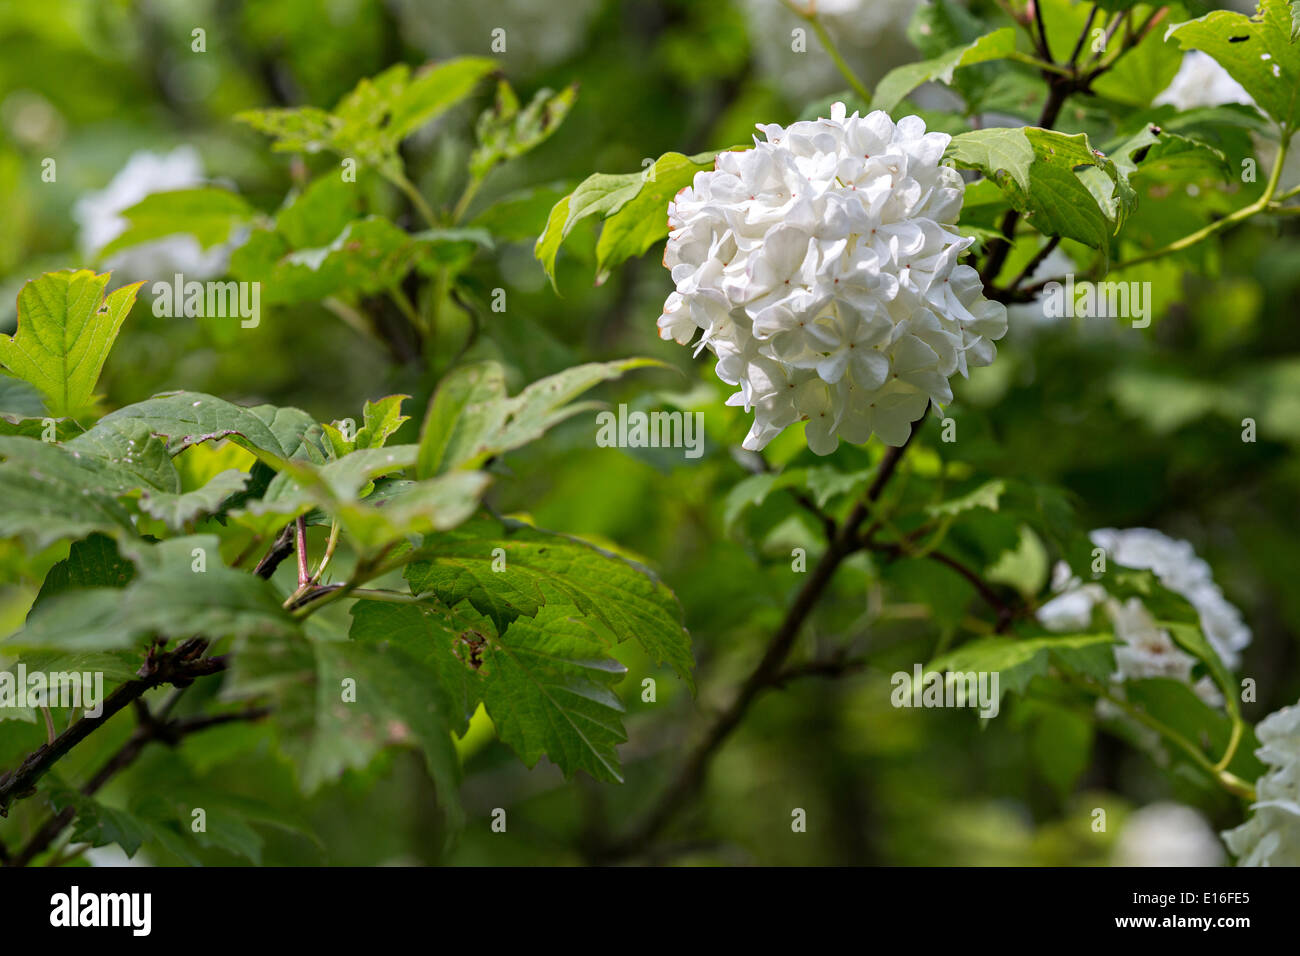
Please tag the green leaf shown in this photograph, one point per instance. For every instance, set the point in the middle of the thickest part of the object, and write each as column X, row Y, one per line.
column 190, row 418
column 900, row 81
column 1143, row 72
column 1154, row 150
column 370, row 122
column 548, row 688
column 471, row 418
column 506, row 132
column 367, row 256
column 754, row 490
column 317, row 214
column 1017, row 662
column 50, row 493
column 1059, row 183
column 176, row 510
column 1061, row 745
column 91, row 563
column 633, row 207
column 441, row 639
column 985, row 496
column 207, row 213
column 1258, row 52
column 1191, row 639
column 95, row 823
column 535, row 568
column 548, row 243
column 435, row 89
column 1177, row 706
column 337, row 488
column 339, row 704
column 546, row 682
column 436, row 249
column 169, row 598
column 128, row 445
column 520, row 215
column 380, row 419
column 66, row 327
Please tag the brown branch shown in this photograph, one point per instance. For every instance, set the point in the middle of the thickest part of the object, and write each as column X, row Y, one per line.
column 149, row 729
column 691, row 775
column 280, row 550
column 179, row 667
column 836, row 666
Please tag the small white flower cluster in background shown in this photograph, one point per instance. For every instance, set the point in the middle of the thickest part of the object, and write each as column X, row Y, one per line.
column 1271, row 837
column 144, row 174
column 1167, row 834
column 1200, row 81
column 1146, row 650
column 821, row 266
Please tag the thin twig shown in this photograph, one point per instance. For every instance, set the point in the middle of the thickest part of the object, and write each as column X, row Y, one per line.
column 691, row 775
column 149, row 728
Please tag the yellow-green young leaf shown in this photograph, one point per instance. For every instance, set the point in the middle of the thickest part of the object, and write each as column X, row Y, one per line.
column 342, row 489
column 1258, row 52
column 643, row 221
column 900, row 81
column 369, row 122
column 985, row 496
column 633, row 206
column 381, row 419
column 1019, row 661
column 548, row 243
column 435, row 89
column 66, row 327
column 208, row 214
column 505, row 131
column 471, row 419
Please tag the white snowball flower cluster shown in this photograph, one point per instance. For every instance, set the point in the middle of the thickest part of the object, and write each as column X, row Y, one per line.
column 1201, row 81
column 1146, row 649
column 822, row 267
column 1167, row 834
column 144, row 174
column 1271, row 837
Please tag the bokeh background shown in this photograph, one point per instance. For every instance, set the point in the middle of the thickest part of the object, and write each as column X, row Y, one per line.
column 1144, row 430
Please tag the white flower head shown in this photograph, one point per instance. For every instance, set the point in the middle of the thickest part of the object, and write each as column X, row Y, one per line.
column 821, row 268
column 144, row 174
column 1147, row 650
column 1167, row 834
column 1201, row 81
column 1271, row 837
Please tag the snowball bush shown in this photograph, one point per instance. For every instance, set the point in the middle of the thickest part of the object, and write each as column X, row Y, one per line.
column 144, row 174
column 1271, row 837
column 1167, row 834
column 821, row 266
column 1146, row 649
